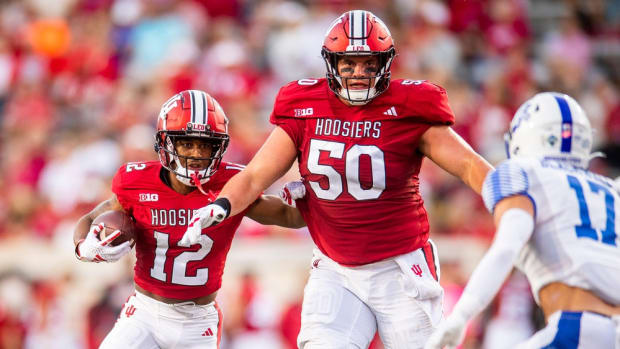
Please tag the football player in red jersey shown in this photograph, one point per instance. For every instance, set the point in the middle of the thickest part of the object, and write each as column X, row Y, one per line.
column 360, row 140
column 176, row 283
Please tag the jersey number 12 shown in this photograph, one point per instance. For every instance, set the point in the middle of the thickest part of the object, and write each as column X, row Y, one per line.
column 179, row 264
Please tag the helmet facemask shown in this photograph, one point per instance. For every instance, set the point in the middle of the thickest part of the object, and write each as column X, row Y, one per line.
column 377, row 83
column 178, row 164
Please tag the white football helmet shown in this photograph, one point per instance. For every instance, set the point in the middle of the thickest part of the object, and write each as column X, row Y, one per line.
column 551, row 125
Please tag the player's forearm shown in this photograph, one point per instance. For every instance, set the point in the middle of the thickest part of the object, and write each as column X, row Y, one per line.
column 476, row 171
column 81, row 228
column 514, row 230
column 83, row 225
column 485, row 281
column 448, row 150
column 271, row 162
column 241, row 190
column 270, row 210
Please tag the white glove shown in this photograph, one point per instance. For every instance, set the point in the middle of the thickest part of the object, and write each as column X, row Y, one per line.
column 292, row 191
column 91, row 249
column 449, row 333
column 205, row 217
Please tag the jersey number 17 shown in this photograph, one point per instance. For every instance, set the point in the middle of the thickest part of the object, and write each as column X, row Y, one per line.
column 585, row 230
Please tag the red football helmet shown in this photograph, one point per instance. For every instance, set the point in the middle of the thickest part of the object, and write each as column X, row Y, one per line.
column 358, row 33
column 191, row 113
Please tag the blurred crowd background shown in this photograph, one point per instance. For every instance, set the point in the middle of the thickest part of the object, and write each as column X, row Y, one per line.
column 82, row 81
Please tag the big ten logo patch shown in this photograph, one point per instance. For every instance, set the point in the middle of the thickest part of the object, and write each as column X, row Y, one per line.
column 149, row 197
column 304, row 112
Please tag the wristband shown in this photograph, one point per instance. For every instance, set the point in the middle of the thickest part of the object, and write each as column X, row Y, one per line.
column 223, row 203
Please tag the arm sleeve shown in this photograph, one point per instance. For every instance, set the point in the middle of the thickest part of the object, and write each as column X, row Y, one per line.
column 515, row 229
column 508, row 179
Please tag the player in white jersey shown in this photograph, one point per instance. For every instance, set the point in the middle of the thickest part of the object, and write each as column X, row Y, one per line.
column 556, row 221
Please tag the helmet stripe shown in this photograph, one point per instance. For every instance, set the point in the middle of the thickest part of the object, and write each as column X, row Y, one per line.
column 198, row 106
column 351, row 27
column 192, row 104
column 363, row 28
column 567, row 124
column 205, row 107
column 357, row 28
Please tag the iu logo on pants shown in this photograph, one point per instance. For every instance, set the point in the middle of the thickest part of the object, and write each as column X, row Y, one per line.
column 417, row 270
column 130, row 310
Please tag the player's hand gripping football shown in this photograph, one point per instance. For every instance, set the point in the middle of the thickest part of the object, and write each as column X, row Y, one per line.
column 205, row 217
column 91, row 249
column 449, row 333
column 292, row 191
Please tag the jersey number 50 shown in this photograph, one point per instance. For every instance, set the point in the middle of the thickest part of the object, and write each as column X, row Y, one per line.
column 352, row 166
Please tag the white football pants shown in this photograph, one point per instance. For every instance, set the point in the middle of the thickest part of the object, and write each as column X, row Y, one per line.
column 343, row 307
column 576, row 330
column 145, row 323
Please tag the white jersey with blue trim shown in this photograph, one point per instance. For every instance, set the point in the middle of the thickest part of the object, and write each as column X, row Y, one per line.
column 577, row 222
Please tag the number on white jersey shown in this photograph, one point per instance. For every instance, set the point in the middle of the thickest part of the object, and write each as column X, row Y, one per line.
column 179, row 264
column 597, row 192
column 352, row 160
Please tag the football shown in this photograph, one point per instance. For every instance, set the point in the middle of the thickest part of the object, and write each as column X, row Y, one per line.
column 114, row 220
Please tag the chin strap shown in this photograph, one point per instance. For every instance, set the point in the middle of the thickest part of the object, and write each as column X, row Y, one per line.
column 196, row 178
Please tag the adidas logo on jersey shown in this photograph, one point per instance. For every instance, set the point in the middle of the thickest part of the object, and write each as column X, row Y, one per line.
column 207, row 333
column 391, row 111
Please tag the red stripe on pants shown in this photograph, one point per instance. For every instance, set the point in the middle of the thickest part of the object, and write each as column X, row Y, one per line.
column 220, row 315
column 430, row 259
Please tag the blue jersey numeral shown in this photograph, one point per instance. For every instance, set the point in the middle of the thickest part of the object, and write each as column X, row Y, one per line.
column 585, row 228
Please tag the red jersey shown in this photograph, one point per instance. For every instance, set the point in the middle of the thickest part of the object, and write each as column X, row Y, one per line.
column 360, row 165
column 162, row 216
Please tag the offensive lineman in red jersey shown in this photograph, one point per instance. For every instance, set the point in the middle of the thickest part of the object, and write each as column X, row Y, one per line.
column 176, row 284
column 360, row 142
